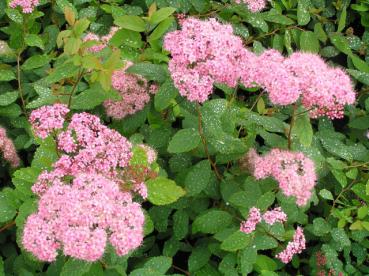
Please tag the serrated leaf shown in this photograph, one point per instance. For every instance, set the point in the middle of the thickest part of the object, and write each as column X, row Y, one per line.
column 150, row 71
column 166, row 93
column 131, row 22
column 8, row 98
column 212, row 222
column 34, row 41
column 7, row 210
column 160, row 264
column 184, row 140
column 324, row 193
column 6, row 75
column 35, row 61
column 198, row 178
column 303, row 15
column 74, row 267
column 162, row 191
column 161, row 29
column 161, row 15
column 309, row 42
column 236, row 241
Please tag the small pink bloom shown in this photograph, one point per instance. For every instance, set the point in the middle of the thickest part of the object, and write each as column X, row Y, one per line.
column 296, row 246
column 253, row 219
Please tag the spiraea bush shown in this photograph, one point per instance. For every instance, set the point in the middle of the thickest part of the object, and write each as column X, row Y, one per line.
column 184, row 137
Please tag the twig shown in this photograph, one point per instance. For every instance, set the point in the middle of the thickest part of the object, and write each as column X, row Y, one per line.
column 291, row 126
column 182, row 270
column 257, row 99
column 20, row 83
column 6, row 226
column 80, row 75
column 203, row 140
column 340, row 194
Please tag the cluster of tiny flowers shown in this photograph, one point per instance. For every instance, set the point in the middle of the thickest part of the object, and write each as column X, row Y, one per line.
column 134, row 91
column 253, row 5
column 47, row 119
column 80, row 218
column 270, row 217
column 203, row 53
column 91, row 147
column 27, row 5
column 207, row 52
column 7, row 149
column 296, row 246
column 85, row 201
column 294, row 172
column 324, row 90
column 102, row 42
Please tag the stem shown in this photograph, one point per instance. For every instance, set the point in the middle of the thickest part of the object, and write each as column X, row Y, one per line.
column 80, row 75
column 339, row 196
column 203, row 140
column 291, row 126
column 6, row 226
column 257, row 99
column 20, row 83
column 182, row 270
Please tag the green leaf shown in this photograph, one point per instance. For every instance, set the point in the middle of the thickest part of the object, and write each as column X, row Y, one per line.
column 163, row 98
column 6, row 75
column 339, row 235
column 212, row 222
column 12, row 111
column 160, row 264
column 264, row 242
column 184, row 140
column 341, row 43
column 303, row 129
column 126, row 37
column 247, row 259
column 321, row 227
column 45, row 155
column 236, row 241
column 131, row 22
column 162, row 191
column 309, row 42
column 150, row 71
column 161, row 15
column 14, row 15
column 180, row 224
column 161, row 29
column 303, row 15
column 324, row 193
column 198, row 178
column 199, row 257
column 360, row 64
column 8, row 98
column 342, row 20
column 45, row 97
column 275, row 17
column 35, row 61
column 24, row 178
column 34, row 41
column 7, row 210
column 360, row 76
column 75, row 268
column 320, row 33
column 90, row 98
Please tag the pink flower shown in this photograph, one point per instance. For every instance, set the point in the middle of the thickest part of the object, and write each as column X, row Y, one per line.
column 8, row 150
column 253, row 219
column 133, row 89
column 275, row 215
column 150, row 152
column 26, row 5
column 203, row 53
column 102, row 42
column 80, row 217
column 294, row 172
column 296, row 246
column 47, row 119
column 253, row 5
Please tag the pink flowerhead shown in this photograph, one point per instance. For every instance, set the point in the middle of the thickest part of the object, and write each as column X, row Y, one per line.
column 94, row 37
column 275, row 215
column 47, row 119
column 134, row 90
column 150, row 152
column 296, row 246
column 27, row 5
column 253, row 5
column 253, row 219
column 203, row 53
column 8, row 150
column 294, row 172
column 81, row 217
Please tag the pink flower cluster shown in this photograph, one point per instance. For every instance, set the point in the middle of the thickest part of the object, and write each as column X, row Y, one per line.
column 270, row 217
column 207, row 52
column 134, row 90
column 91, row 147
column 294, row 172
column 7, row 149
column 203, row 53
column 102, row 42
column 47, row 119
column 80, row 218
column 296, row 246
column 253, row 5
column 27, row 5
column 85, row 201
